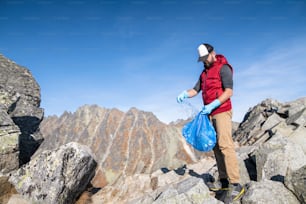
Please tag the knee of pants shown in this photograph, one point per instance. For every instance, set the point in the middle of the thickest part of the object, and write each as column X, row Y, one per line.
column 227, row 148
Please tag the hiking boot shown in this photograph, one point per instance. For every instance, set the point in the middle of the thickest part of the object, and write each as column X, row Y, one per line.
column 221, row 185
column 221, row 195
column 235, row 192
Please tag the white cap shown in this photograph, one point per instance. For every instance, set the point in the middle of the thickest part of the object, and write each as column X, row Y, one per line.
column 204, row 50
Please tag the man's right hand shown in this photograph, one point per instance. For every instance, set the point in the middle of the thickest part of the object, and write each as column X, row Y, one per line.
column 180, row 98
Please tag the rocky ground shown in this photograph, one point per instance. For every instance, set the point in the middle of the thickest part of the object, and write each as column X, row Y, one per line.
column 271, row 150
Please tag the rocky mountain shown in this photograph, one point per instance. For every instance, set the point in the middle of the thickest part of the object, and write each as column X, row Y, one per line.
column 124, row 143
column 97, row 155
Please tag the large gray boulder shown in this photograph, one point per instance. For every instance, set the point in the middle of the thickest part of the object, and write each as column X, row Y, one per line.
column 20, row 117
column 275, row 157
column 56, row 177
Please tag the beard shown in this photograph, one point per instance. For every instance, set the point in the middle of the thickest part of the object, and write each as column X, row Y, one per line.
column 207, row 64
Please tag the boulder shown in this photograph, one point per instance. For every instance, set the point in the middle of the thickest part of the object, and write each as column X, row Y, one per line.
column 275, row 157
column 56, row 177
column 295, row 181
column 20, row 99
column 267, row 191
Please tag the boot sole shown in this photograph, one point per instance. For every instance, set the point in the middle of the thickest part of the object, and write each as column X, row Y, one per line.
column 239, row 195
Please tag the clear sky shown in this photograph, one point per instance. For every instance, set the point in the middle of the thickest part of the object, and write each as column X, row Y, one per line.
column 141, row 53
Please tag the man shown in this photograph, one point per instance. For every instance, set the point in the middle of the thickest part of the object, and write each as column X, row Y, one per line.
column 216, row 84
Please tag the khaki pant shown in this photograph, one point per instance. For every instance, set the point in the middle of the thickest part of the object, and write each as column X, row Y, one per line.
column 224, row 150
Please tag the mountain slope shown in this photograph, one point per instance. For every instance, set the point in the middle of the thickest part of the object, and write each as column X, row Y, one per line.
column 124, row 143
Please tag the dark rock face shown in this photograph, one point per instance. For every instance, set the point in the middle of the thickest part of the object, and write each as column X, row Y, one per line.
column 20, row 99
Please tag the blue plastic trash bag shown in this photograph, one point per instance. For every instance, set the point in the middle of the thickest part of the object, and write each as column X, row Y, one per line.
column 200, row 133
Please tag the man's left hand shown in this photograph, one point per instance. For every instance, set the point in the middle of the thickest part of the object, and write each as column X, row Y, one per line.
column 210, row 107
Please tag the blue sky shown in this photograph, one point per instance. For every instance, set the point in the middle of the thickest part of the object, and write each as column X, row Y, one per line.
column 140, row 53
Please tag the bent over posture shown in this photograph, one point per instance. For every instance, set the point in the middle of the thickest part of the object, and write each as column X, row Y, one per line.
column 216, row 84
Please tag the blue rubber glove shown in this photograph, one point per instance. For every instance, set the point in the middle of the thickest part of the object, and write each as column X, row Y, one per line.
column 210, row 107
column 182, row 97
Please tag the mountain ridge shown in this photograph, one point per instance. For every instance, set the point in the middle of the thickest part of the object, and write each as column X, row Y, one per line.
column 147, row 143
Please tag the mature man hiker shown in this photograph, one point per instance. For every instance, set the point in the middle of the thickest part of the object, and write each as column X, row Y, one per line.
column 216, row 84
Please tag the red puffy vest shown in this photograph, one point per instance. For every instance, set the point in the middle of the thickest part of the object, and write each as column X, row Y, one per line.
column 211, row 85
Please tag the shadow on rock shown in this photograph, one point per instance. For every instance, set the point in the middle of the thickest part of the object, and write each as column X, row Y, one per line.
column 30, row 137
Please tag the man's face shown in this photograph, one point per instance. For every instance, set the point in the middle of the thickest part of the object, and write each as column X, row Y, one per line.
column 210, row 60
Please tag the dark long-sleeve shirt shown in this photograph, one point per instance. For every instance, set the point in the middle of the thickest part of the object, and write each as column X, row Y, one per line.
column 226, row 78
